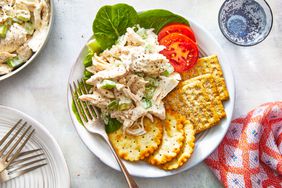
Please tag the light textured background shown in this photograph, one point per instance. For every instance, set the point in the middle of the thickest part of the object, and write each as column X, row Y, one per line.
column 40, row 89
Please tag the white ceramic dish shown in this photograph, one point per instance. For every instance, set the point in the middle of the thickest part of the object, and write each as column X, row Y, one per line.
column 40, row 49
column 55, row 174
column 206, row 142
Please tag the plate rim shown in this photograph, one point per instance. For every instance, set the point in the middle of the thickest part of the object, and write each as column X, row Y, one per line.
column 179, row 170
column 52, row 139
column 36, row 54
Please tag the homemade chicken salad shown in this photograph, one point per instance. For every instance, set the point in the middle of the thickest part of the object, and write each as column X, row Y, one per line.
column 131, row 79
column 133, row 63
column 23, row 28
column 143, row 72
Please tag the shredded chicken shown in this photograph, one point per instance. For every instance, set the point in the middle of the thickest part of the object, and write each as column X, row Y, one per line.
column 167, row 84
column 24, row 52
column 106, row 93
column 113, row 73
column 129, row 82
column 150, row 64
column 15, row 37
column 158, row 110
column 4, row 69
column 4, row 56
column 96, row 99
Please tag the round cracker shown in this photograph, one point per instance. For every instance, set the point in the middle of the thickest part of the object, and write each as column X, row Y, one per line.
column 134, row 148
column 173, row 138
column 186, row 150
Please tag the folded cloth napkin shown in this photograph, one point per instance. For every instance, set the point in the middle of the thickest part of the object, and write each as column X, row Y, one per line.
column 250, row 154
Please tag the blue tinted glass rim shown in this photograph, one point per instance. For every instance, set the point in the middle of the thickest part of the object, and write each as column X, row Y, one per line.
column 239, row 44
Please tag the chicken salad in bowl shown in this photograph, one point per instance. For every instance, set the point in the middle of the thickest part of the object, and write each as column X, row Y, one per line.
column 24, row 26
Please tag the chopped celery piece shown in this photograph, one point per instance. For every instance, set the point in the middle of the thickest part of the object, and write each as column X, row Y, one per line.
column 113, row 105
column 166, row 73
column 146, row 103
column 149, row 92
column 151, row 86
column 29, row 27
column 87, row 74
column 119, row 105
column 94, row 46
column 169, row 70
column 16, row 20
column 149, row 47
column 88, row 59
column 112, row 125
column 142, row 33
column 107, row 84
column 15, row 62
column 3, row 31
column 124, row 105
column 152, row 82
column 24, row 18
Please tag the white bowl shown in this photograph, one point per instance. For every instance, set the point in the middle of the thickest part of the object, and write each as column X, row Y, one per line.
column 206, row 142
column 41, row 47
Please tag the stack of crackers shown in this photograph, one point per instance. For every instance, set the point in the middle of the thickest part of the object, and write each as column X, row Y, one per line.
column 200, row 94
column 194, row 106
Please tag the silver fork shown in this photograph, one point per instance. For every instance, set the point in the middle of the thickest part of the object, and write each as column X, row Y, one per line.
column 94, row 124
column 11, row 147
column 26, row 162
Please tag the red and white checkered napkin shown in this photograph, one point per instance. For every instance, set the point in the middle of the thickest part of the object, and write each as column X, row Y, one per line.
column 250, row 155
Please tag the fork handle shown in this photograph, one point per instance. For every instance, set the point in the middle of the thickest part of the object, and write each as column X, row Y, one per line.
column 131, row 182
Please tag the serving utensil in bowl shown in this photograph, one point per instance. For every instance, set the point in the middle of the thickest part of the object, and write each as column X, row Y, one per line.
column 94, row 124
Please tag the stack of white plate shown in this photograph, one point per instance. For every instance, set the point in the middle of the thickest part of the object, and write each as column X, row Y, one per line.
column 53, row 175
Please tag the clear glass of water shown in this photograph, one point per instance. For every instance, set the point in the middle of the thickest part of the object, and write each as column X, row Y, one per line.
column 245, row 22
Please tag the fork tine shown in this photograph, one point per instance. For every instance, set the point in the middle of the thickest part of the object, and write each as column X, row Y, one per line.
column 96, row 111
column 18, row 161
column 21, row 172
column 29, row 152
column 10, row 131
column 20, row 148
column 75, row 99
column 17, row 167
column 83, row 90
column 82, row 104
column 12, row 139
column 202, row 52
column 90, row 107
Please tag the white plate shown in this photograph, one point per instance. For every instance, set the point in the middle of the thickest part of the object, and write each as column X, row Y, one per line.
column 53, row 175
column 206, row 142
column 40, row 48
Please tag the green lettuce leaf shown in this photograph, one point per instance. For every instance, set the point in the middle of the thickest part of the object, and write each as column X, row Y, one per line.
column 112, row 22
column 158, row 18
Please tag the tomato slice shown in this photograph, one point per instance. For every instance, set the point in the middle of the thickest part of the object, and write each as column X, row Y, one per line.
column 181, row 51
column 177, row 28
